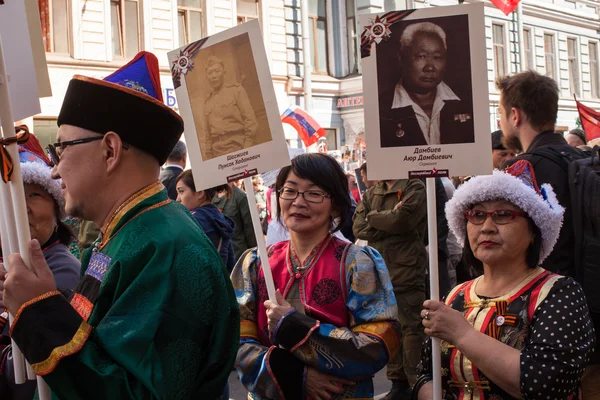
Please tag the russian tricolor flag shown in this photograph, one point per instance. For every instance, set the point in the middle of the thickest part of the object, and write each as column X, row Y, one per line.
column 308, row 129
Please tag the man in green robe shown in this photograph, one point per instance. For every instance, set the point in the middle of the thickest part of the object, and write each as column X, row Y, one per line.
column 154, row 315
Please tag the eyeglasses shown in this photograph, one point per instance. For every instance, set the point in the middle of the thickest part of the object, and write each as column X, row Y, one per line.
column 500, row 217
column 55, row 150
column 312, row 196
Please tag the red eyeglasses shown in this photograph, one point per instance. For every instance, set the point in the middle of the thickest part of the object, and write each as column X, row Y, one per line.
column 500, row 217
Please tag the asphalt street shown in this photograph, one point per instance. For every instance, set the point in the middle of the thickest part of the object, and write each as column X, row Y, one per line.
column 238, row 392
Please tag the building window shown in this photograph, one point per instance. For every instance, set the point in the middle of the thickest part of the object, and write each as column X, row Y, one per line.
column 528, row 50
column 318, row 35
column 125, row 20
column 54, row 18
column 549, row 55
column 573, row 66
column 594, row 73
column 190, row 21
column 352, row 39
column 45, row 130
column 499, row 50
column 247, row 10
column 331, row 138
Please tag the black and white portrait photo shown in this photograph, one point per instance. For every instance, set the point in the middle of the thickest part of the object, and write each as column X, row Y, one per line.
column 424, row 83
column 426, row 92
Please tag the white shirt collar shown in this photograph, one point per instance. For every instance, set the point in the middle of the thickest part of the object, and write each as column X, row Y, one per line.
column 173, row 165
column 402, row 99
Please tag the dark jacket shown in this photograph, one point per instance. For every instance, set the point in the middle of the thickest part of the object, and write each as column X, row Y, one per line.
column 397, row 234
column 66, row 270
column 219, row 230
column 560, row 261
column 168, row 178
column 236, row 208
column 400, row 127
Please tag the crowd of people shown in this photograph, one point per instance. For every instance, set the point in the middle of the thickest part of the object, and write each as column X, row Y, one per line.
column 170, row 294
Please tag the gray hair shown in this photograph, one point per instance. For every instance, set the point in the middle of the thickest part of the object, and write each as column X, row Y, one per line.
column 421, row 27
column 178, row 152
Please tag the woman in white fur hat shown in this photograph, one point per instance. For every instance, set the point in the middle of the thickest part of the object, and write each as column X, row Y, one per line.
column 517, row 331
column 45, row 210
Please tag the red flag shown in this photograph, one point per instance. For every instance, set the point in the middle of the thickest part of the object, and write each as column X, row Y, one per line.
column 506, row 6
column 590, row 120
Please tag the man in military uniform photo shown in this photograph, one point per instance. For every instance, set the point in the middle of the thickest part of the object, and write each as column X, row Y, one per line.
column 230, row 122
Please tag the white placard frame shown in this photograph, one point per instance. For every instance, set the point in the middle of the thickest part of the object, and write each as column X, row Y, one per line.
column 20, row 64
column 425, row 161
column 254, row 160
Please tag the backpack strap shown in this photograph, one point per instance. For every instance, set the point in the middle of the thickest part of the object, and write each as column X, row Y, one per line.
column 562, row 159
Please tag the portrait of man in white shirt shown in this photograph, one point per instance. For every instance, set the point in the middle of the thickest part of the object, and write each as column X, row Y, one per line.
column 422, row 109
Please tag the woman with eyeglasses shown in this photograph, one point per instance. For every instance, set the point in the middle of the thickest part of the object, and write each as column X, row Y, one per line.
column 334, row 323
column 517, row 331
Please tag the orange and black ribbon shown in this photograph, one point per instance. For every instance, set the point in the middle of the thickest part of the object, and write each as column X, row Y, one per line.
column 6, row 163
column 502, row 318
column 3, row 319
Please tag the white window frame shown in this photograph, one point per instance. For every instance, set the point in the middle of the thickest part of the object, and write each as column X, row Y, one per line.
column 313, row 22
column 572, row 89
column 556, row 76
column 186, row 18
column 245, row 18
column 122, row 26
column 528, row 32
column 504, row 49
column 51, row 24
column 597, row 77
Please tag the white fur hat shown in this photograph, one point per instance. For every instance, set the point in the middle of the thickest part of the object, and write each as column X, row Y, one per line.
column 518, row 186
column 35, row 168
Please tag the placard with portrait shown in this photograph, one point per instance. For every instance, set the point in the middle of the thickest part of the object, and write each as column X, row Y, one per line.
column 426, row 92
column 226, row 98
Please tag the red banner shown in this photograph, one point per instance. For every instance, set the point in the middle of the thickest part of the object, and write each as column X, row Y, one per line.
column 590, row 121
column 506, row 6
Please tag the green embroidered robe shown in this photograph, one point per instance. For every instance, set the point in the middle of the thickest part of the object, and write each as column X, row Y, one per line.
column 154, row 316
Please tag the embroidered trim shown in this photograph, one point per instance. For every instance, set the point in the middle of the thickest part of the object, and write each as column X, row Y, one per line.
column 82, row 305
column 157, row 205
column 470, row 385
column 249, row 330
column 383, row 332
column 76, row 343
column 30, row 302
column 274, row 335
column 300, row 343
column 131, row 202
column 268, row 364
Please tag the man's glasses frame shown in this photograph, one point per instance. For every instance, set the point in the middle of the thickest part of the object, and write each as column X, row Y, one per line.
column 500, row 217
column 54, row 154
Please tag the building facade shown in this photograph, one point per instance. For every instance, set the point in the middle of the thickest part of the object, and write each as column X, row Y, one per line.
column 94, row 37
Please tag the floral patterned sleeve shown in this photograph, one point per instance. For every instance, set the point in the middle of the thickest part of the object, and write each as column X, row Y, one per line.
column 266, row 372
column 362, row 348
